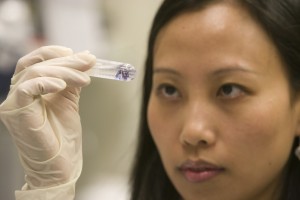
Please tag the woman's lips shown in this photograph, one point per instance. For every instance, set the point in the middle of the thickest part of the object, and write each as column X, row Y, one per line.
column 199, row 171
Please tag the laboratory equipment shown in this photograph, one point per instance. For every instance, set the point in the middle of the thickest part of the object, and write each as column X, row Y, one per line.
column 112, row 70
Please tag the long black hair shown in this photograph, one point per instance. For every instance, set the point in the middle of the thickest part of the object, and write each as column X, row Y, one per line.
column 281, row 20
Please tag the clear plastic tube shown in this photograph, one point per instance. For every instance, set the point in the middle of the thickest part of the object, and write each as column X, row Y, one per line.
column 112, row 70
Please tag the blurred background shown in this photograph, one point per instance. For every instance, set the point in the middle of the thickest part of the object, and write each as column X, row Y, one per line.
column 110, row 29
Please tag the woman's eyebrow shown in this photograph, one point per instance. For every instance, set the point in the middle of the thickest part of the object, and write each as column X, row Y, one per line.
column 166, row 70
column 232, row 69
column 214, row 73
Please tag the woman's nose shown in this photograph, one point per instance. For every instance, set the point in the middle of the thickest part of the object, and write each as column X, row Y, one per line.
column 198, row 128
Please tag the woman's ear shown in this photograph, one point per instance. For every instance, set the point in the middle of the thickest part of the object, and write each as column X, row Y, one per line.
column 297, row 132
column 297, row 110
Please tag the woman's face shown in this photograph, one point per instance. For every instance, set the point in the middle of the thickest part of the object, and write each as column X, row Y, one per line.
column 220, row 109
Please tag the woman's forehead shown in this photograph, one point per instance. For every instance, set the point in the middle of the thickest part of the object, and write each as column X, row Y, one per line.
column 216, row 19
column 220, row 35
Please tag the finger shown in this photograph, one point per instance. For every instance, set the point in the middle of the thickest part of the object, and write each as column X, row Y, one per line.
column 29, row 90
column 65, row 68
column 42, row 54
column 80, row 61
column 72, row 77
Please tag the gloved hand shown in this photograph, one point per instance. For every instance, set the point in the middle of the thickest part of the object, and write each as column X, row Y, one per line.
column 41, row 114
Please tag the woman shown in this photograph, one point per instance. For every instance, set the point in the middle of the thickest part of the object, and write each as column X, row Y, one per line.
column 221, row 110
column 280, row 22
column 239, row 108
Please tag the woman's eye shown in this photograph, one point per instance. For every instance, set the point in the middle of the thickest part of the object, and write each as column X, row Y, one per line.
column 230, row 91
column 168, row 91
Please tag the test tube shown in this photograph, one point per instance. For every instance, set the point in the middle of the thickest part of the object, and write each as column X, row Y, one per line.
column 112, row 70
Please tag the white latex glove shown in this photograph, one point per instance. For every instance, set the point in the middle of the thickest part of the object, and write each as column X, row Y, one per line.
column 41, row 114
